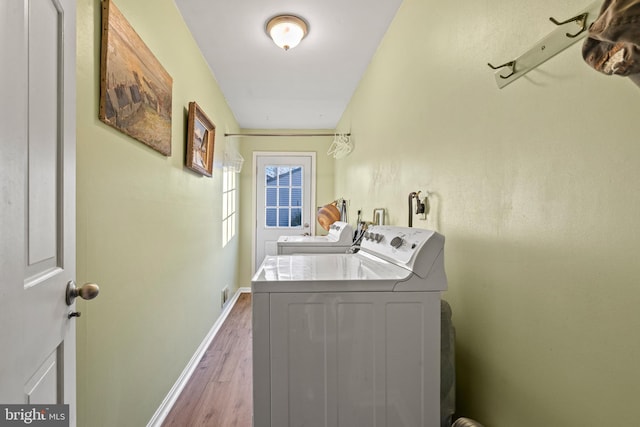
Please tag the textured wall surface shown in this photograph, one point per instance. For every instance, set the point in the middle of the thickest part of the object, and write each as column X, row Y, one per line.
column 535, row 187
column 149, row 230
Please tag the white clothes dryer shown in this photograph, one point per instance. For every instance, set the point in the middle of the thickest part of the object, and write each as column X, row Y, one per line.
column 350, row 339
column 339, row 239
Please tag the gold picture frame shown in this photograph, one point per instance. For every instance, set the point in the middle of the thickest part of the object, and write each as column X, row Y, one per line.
column 201, row 134
column 135, row 90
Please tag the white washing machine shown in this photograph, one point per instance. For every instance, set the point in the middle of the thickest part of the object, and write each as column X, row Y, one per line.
column 348, row 340
column 339, row 239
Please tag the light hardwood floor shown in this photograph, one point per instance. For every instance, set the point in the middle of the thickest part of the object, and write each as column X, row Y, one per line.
column 219, row 391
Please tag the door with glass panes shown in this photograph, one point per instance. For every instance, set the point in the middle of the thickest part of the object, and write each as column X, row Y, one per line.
column 285, row 186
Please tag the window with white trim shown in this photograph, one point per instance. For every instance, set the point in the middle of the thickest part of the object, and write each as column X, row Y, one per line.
column 228, row 204
column 283, row 196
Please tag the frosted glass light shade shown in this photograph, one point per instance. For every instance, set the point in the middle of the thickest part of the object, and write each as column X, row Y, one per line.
column 286, row 31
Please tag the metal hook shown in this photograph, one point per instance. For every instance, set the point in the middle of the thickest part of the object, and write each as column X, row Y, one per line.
column 511, row 64
column 580, row 20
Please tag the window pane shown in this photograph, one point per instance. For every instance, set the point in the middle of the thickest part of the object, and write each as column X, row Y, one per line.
column 272, row 196
column 284, row 197
column 296, row 217
column 296, row 177
column 296, row 197
column 283, row 172
column 271, row 176
column 225, row 206
column 232, row 193
column 271, row 217
column 283, row 217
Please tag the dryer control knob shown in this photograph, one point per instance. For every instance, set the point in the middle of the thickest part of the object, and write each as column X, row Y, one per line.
column 396, row 242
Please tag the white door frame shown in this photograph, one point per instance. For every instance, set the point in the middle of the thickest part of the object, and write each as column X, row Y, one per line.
column 254, row 194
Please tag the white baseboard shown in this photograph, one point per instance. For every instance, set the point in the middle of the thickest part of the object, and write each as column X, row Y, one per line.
column 168, row 402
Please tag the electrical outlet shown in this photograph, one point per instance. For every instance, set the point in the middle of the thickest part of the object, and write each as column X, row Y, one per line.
column 225, row 295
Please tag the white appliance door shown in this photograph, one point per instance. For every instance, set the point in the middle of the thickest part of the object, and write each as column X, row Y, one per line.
column 285, row 187
column 349, row 359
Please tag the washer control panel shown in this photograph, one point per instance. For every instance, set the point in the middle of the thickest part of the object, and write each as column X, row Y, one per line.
column 397, row 241
column 374, row 237
column 397, row 244
column 340, row 232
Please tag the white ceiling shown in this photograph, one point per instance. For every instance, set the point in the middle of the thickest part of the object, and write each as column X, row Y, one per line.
column 307, row 87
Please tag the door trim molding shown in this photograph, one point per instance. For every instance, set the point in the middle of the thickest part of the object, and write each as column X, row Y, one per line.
column 171, row 398
column 254, row 194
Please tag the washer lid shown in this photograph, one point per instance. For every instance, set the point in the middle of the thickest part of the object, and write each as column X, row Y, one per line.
column 327, row 273
column 340, row 233
column 304, row 239
column 310, row 241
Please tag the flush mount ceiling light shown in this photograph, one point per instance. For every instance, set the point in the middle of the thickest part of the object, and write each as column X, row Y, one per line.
column 286, row 30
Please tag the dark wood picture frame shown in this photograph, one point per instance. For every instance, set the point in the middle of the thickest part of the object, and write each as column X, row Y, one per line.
column 201, row 133
column 135, row 89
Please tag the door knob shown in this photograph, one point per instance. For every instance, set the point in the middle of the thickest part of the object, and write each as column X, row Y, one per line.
column 87, row 291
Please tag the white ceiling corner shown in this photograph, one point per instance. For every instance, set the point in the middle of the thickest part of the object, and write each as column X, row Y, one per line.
column 307, row 87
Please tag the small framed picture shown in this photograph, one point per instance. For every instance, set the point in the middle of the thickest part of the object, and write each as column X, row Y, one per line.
column 201, row 135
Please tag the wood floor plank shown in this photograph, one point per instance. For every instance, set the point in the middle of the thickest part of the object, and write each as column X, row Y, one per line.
column 219, row 393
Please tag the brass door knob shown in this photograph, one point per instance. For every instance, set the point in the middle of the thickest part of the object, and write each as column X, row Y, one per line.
column 87, row 291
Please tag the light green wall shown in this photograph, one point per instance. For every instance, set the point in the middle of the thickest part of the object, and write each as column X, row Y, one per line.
column 535, row 187
column 149, row 230
column 324, row 181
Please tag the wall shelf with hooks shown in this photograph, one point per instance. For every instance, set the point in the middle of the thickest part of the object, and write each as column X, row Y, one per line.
column 555, row 42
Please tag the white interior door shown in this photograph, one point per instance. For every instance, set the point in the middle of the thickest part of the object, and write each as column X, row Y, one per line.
column 37, row 202
column 284, row 199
